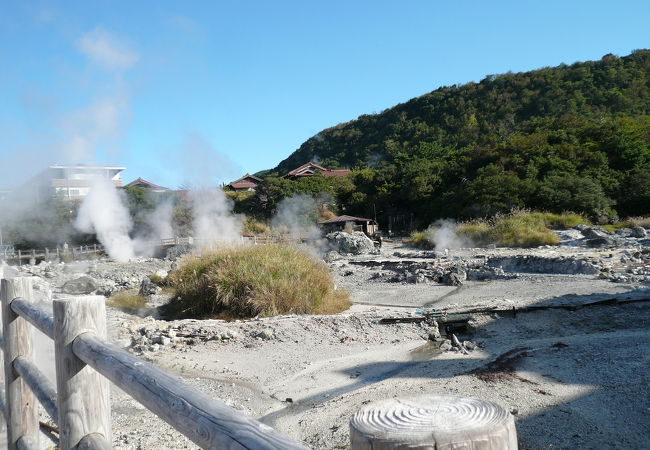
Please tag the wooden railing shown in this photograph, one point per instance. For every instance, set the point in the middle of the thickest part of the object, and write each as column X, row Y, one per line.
column 47, row 254
column 33, row 255
column 86, row 364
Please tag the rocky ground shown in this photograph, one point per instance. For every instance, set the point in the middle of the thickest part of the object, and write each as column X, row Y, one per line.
column 574, row 375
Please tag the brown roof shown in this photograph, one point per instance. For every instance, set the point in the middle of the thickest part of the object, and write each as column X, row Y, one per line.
column 141, row 182
column 295, row 172
column 345, row 218
column 336, row 173
column 311, row 168
column 245, row 182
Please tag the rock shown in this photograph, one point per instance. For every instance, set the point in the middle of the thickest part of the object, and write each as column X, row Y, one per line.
column 179, row 250
column 266, row 334
column 162, row 273
column 639, row 232
column 331, row 256
column 355, row 242
column 80, row 286
column 604, row 241
column 162, row 340
column 469, row 345
column 594, row 233
column 147, row 287
column 446, row 345
column 456, row 277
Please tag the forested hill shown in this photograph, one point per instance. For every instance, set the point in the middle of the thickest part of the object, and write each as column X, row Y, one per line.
column 544, row 138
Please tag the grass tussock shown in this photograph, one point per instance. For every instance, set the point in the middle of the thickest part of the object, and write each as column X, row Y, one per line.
column 242, row 282
column 421, row 239
column 628, row 223
column 158, row 280
column 519, row 229
column 127, row 302
column 252, row 226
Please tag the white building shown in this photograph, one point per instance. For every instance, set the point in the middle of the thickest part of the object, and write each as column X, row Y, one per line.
column 71, row 182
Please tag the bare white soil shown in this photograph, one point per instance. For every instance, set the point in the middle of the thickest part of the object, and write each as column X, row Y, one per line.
column 572, row 378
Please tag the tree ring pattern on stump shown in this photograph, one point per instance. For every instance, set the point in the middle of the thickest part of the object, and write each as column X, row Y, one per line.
column 433, row 419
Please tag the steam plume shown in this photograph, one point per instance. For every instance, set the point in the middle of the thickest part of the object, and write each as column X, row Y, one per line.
column 103, row 212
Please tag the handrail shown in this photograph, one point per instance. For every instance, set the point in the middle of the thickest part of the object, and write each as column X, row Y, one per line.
column 206, row 421
column 39, row 317
column 42, row 388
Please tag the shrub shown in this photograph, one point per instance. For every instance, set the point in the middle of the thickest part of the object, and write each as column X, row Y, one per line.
column 422, row 239
column 127, row 302
column 561, row 221
column 254, row 226
column 640, row 221
column 158, row 280
column 517, row 229
column 240, row 282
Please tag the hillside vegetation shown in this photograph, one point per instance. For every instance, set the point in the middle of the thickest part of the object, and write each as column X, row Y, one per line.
column 573, row 137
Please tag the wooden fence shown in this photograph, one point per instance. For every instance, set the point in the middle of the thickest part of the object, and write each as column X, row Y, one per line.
column 46, row 254
column 33, row 255
column 85, row 366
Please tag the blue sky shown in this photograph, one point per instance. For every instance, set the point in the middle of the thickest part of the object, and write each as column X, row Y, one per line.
column 181, row 91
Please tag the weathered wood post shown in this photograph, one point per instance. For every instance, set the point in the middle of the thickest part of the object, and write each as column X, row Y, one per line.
column 433, row 421
column 22, row 407
column 47, row 254
column 74, row 255
column 95, row 248
column 19, row 258
column 82, row 393
column 58, row 254
column 32, row 258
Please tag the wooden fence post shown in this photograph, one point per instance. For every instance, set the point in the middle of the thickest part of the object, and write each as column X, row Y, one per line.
column 433, row 421
column 82, row 393
column 19, row 258
column 47, row 254
column 22, row 407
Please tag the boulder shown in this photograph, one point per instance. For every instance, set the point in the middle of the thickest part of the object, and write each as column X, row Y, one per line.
column 179, row 250
column 354, row 242
column 604, row 241
column 594, row 233
column 80, row 286
column 639, row 232
column 147, row 287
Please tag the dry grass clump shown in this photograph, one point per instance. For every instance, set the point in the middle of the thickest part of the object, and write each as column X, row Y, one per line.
column 519, row 229
column 252, row 226
column 628, row 223
column 639, row 221
column 422, row 239
column 241, row 282
column 127, row 301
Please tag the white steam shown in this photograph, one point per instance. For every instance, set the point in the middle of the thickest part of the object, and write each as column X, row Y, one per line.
column 159, row 225
column 296, row 216
column 442, row 234
column 214, row 220
column 103, row 213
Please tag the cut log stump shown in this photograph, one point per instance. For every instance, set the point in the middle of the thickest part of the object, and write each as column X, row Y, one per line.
column 439, row 422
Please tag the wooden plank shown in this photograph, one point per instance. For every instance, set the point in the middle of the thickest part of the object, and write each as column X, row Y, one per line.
column 207, row 422
column 42, row 388
column 94, row 441
column 27, row 443
column 17, row 341
column 3, row 405
column 82, row 393
column 39, row 317
column 440, row 422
